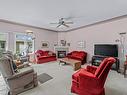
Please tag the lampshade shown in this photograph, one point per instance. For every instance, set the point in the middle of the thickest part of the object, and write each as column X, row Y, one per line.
column 30, row 33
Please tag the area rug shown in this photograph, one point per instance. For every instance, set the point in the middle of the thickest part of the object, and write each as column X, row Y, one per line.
column 44, row 77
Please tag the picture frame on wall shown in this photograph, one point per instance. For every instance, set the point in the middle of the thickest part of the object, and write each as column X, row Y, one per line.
column 44, row 44
column 68, row 44
column 81, row 44
column 63, row 42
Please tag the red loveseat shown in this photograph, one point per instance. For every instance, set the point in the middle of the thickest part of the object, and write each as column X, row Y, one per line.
column 44, row 56
column 90, row 81
column 78, row 55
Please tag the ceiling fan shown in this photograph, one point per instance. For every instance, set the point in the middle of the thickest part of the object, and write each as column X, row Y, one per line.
column 63, row 22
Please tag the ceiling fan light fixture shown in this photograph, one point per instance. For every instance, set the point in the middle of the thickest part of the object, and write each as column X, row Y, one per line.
column 63, row 22
column 29, row 31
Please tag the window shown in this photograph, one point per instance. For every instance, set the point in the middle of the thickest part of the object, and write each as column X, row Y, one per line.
column 3, row 41
column 24, row 44
column 2, row 45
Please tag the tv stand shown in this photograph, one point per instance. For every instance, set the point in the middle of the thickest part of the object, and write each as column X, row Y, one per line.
column 96, row 60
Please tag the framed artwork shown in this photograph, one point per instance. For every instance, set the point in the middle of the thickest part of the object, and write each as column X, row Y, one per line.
column 68, row 44
column 63, row 42
column 44, row 44
column 56, row 44
column 81, row 44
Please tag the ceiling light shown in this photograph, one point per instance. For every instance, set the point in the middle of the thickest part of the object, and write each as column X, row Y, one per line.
column 29, row 31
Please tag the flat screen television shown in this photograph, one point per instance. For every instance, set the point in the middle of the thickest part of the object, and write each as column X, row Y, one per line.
column 106, row 50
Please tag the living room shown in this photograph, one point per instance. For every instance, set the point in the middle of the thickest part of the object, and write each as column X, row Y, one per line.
column 64, row 29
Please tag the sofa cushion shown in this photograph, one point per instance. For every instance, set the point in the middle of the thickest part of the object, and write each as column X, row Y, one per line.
column 50, row 53
column 45, row 53
column 74, row 53
column 39, row 52
column 42, row 57
column 78, row 55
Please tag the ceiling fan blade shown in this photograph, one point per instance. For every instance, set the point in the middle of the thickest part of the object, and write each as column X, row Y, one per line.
column 68, row 22
column 54, row 23
column 65, row 25
column 58, row 26
column 67, row 18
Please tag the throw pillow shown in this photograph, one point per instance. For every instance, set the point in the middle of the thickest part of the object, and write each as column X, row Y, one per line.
column 46, row 53
column 38, row 55
column 50, row 53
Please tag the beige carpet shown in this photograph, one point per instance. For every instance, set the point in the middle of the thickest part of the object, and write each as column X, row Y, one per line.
column 3, row 88
column 116, row 84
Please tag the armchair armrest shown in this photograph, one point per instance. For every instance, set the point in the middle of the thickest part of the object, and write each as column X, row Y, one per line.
column 87, row 74
column 37, row 54
column 69, row 54
column 21, row 73
column 25, row 64
column 91, row 69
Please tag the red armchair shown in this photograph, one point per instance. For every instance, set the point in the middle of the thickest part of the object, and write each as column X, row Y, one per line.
column 90, row 81
column 78, row 55
column 44, row 56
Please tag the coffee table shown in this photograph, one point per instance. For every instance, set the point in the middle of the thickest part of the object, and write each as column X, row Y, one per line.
column 75, row 63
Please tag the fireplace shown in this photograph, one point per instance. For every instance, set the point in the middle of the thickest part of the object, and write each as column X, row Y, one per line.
column 61, row 54
column 61, row 51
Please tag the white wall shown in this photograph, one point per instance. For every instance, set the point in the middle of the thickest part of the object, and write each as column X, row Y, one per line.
column 101, row 33
column 61, row 36
column 105, row 33
column 40, row 35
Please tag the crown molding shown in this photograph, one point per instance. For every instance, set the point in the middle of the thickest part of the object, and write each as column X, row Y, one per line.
column 100, row 22
column 25, row 25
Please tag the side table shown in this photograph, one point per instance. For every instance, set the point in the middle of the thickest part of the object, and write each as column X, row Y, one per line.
column 125, row 68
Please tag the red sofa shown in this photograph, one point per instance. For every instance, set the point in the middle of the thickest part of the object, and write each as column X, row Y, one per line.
column 78, row 55
column 44, row 56
column 90, row 81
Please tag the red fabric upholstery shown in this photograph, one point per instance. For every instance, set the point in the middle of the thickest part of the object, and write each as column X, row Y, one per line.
column 90, row 81
column 44, row 56
column 78, row 55
column 39, row 52
column 91, row 69
column 100, row 68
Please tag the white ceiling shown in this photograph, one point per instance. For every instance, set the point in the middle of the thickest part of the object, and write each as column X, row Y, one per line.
column 41, row 13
